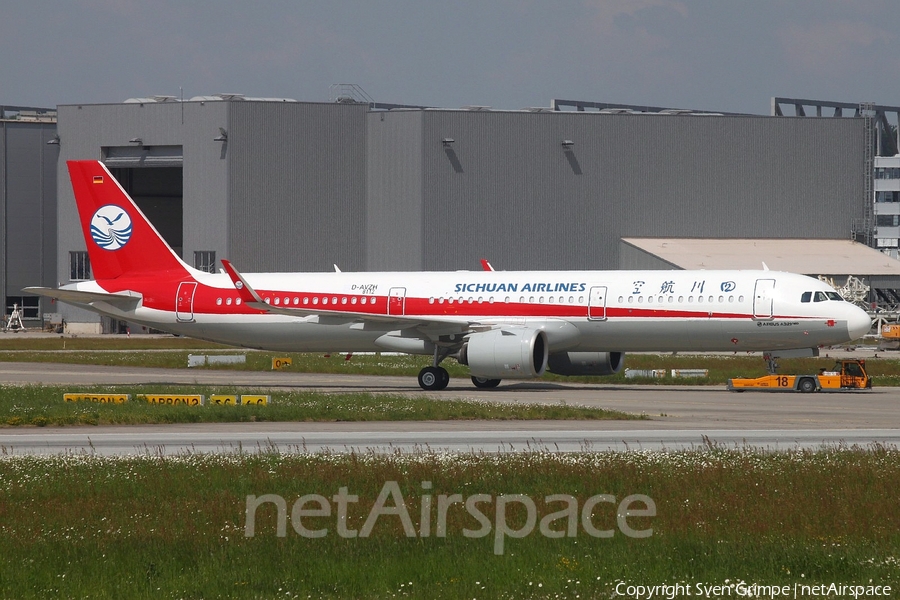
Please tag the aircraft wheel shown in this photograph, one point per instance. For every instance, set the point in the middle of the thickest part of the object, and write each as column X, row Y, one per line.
column 485, row 383
column 807, row 385
column 433, row 378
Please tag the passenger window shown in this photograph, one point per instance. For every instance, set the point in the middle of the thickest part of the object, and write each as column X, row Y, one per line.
column 806, row 297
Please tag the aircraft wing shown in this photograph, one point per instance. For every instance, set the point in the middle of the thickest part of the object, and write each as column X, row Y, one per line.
column 121, row 300
column 251, row 298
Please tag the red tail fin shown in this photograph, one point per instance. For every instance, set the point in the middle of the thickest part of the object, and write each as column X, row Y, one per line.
column 120, row 240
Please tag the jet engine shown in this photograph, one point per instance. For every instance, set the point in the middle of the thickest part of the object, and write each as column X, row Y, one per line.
column 512, row 353
column 586, row 363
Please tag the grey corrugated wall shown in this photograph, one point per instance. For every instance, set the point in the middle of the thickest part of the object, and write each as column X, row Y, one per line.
column 395, row 226
column 297, row 178
column 511, row 193
column 27, row 206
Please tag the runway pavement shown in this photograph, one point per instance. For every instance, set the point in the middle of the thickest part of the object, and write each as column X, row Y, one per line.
column 679, row 417
column 455, row 436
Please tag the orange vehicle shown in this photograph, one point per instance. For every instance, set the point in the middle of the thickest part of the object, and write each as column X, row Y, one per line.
column 846, row 375
column 890, row 337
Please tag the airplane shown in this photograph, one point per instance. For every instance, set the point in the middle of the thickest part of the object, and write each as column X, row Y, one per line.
column 501, row 324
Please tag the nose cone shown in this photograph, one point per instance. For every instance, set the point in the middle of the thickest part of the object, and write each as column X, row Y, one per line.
column 858, row 323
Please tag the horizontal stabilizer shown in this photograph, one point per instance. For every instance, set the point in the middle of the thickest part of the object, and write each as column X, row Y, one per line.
column 122, row 300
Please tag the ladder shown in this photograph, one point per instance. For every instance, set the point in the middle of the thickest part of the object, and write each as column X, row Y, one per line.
column 14, row 323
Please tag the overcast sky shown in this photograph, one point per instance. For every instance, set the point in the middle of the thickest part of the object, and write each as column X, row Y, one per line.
column 509, row 54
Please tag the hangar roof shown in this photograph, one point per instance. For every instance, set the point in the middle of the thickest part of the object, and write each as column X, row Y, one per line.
column 808, row 257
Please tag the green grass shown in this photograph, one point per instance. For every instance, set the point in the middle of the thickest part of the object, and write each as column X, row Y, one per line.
column 41, row 405
column 9, row 341
column 155, row 527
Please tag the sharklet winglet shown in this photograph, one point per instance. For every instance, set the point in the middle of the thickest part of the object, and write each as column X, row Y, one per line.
column 245, row 291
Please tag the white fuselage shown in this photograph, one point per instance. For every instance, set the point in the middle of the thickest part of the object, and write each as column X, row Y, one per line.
column 579, row 310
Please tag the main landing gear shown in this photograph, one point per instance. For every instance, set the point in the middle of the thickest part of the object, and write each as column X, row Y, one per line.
column 433, row 378
column 436, row 378
column 485, row 383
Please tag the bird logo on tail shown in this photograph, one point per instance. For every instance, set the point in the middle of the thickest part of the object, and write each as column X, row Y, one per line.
column 110, row 227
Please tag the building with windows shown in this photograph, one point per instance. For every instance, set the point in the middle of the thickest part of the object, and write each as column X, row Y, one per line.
column 887, row 204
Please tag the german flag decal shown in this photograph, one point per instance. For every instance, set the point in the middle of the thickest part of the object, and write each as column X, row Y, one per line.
column 98, row 178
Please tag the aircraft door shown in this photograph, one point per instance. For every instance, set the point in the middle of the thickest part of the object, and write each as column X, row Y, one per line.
column 597, row 303
column 397, row 301
column 184, row 301
column 763, row 299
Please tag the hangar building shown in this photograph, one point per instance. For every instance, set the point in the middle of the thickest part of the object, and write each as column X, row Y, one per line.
column 28, row 163
column 281, row 185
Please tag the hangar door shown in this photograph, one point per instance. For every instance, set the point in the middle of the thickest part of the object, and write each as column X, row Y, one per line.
column 152, row 176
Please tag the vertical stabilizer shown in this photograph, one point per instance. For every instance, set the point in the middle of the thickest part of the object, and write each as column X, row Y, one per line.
column 119, row 238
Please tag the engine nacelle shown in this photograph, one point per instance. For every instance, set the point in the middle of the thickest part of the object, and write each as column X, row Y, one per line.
column 513, row 353
column 586, row 363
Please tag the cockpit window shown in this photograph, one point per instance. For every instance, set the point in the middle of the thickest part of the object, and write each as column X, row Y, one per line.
column 820, row 297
